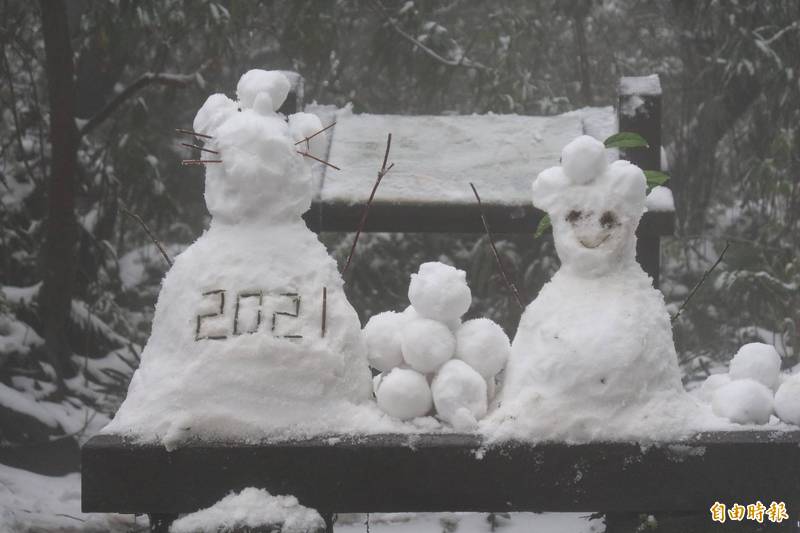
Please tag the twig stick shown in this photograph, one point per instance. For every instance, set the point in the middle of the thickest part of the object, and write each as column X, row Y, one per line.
column 509, row 284
column 306, row 154
column 190, row 132
column 141, row 222
column 187, row 145
column 381, row 173
column 324, row 309
column 187, row 162
column 305, row 140
column 699, row 283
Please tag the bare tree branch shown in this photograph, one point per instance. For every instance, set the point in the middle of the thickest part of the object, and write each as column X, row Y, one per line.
column 146, row 229
column 148, row 78
column 699, row 283
column 463, row 61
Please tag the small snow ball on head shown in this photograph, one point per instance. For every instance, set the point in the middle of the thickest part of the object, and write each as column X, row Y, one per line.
column 759, row 362
column 403, row 393
column 261, row 174
column 460, row 395
column 584, row 159
column 439, row 292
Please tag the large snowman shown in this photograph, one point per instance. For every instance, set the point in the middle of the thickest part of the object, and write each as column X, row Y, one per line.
column 252, row 333
column 593, row 356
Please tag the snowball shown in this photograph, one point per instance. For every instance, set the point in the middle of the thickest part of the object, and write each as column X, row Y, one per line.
column 757, row 361
column 256, row 81
column 303, row 125
column 426, row 344
column 410, row 313
column 787, row 401
column 216, row 110
column 459, row 394
column 584, row 159
column 711, row 384
column 483, row 345
column 439, row 292
column 252, row 508
column 382, row 334
column 404, row 393
column 744, row 401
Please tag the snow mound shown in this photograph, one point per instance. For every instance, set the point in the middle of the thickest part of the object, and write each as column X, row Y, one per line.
column 253, row 335
column 251, row 508
column 759, row 362
column 743, row 401
column 439, row 292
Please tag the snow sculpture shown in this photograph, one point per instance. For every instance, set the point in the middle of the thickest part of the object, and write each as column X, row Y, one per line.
column 429, row 359
column 593, row 356
column 252, row 331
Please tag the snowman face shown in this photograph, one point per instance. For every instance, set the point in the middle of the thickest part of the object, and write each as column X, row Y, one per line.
column 595, row 215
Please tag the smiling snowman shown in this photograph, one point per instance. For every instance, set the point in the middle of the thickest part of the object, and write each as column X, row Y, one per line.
column 593, row 355
column 252, row 333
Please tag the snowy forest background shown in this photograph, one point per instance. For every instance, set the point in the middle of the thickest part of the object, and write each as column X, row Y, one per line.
column 77, row 299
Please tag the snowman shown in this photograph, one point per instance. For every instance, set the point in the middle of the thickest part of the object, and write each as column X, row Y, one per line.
column 593, row 355
column 252, row 333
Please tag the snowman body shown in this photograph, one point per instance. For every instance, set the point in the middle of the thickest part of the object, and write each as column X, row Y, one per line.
column 593, row 356
column 252, row 333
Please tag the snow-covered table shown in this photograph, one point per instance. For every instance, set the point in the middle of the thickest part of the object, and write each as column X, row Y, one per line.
column 450, row 472
column 436, row 157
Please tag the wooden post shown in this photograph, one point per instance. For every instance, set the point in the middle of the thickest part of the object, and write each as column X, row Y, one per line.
column 639, row 111
column 294, row 100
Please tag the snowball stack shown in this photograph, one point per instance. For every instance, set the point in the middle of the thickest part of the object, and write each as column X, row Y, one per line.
column 753, row 388
column 428, row 359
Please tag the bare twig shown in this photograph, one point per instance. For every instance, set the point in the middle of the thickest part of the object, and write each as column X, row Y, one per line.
column 699, row 283
column 461, row 62
column 306, row 139
column 160, row 78
column 190, row 132
column 324, row 310
column 306, row 154
column 381, row 173
column 187, row 145
column 141, row 222
column 187, row 162
column 509, row 283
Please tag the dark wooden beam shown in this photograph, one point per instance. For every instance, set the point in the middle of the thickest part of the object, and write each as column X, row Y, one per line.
column 448, row 472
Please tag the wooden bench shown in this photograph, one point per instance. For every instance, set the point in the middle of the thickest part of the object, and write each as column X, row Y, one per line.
column 677, row 482
column 428, row 192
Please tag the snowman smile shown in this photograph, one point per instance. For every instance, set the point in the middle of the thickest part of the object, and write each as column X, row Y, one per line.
column 595, row 244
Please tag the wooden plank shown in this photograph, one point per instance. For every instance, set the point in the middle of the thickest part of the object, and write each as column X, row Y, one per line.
column 447, row 472
column 451, row 218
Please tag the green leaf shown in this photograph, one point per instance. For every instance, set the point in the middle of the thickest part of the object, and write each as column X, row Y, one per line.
column 655, row 177
column 626, row 139
column 544, row 225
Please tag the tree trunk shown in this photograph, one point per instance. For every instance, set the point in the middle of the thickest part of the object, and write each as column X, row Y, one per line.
column 57, row 259
column 578, row 21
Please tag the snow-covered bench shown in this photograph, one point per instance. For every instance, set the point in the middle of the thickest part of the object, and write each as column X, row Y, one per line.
column 438, row 156
column 676, row 482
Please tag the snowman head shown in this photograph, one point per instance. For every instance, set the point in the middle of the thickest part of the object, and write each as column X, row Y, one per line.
column 261, row 175
column 594, row 208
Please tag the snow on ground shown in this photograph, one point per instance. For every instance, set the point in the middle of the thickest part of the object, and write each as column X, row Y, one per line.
column 31, row 503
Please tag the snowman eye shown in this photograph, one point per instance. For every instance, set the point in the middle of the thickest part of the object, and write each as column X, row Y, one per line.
column 608, row 219
column 573, row 216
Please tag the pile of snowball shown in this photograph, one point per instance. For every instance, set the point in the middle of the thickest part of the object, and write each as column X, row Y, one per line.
column 428, row 359
column 754, row 388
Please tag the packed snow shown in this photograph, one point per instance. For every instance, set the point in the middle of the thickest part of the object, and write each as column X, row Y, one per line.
column 239, row 347
column 451, row 366
column 660, row 199
column 757, row 361
column 251, row 508
column 744, row 401
column 593, row 357
column 787, row 400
